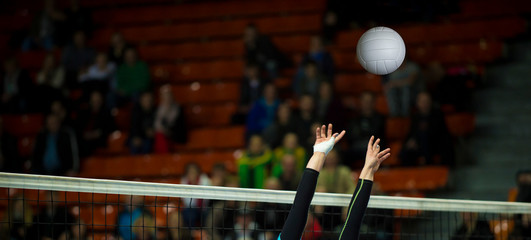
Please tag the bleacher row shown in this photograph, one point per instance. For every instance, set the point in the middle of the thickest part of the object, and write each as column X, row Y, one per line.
column 180, row 49
column 196, row 47
column 197, row 51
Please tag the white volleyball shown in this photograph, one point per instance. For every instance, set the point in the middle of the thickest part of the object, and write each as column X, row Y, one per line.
column 381, row 50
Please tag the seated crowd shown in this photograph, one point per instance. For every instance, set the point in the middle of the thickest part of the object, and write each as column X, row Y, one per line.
column 79, row 92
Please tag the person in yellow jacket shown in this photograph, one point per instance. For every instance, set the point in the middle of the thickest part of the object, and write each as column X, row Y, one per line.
column 254, row 165
column 290, row 146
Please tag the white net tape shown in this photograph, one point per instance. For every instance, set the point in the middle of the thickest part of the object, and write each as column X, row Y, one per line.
column 72, row 184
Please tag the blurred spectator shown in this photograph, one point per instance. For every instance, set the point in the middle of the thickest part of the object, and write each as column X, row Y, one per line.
column 132, row 78
column 51, row 74
column 367, row 123
column 117, row 49
column 262, row 113
column 309, row 80
column 260, row 49
column 50, row 83
column 287, row 172
column 284, row 123
column 329, row 107
column 9, row 159
column 142, row 122
column 271, row 216
column 255, row 163
column 306, row 115
column 78, row 230
column 55, row 219
column 58, row 108
column 221, row 219
column 322, row 58
column 177, row 229
column 17, row 220
column 99, row 76
column 522, row 223
column 452, row 86
column 43, row 31
column 399, row 88
column 428, row 136
column 132, row 211
column 193, row 211
column 472, row 228
column 94, row 124
column 144, row 227
column 250, row 91
column 170, row 124
column 290, row 145
column 245, row 227
column 335, row 177
column 78, row 18
column 76, row 57
column 523, row 180
column 56, row 149
column 219, row 175
column 522, row 227
column 313, row 229
column 15, row 88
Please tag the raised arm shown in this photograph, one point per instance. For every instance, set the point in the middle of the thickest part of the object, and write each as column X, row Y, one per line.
column 296, row 221
column 360, row 198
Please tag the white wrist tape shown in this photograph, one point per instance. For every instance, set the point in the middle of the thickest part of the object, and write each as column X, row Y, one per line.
column 325, row 147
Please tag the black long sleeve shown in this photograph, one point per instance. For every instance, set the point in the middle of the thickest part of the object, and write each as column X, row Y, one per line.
column 356, row 210
column 298, row 215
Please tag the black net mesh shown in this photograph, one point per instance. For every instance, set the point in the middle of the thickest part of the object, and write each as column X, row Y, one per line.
column 42, row 214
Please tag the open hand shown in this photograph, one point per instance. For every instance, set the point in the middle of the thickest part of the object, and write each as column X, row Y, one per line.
column 374, row 156
column 325, row 139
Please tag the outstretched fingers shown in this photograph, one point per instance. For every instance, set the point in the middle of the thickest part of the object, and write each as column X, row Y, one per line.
column 323, row 131
column 339, row 136
column 376, row 145
column 318, row 133
column 369, row 145
column 329, row 134
column 383, row 153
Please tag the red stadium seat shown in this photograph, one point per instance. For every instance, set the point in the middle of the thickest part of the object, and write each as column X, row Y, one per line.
column 381, row 104
column 152, row 165
column 202, row 11
column 460, row 124
column 498, row 28
column 122, row 118
column 412, row 179
column 397, row 128
column 25, row 146
column 214, row 29
column 357, row 83
column 209, row 115
column 23, row 125
column 232, row 137
column 206, row 93
column 187, row 72
column 393, row 160
column 193, row 50
column 116, row 144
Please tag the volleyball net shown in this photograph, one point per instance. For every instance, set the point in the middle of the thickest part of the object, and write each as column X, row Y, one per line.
column 49, row 207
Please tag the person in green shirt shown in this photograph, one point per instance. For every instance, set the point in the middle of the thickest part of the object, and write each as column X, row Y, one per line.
column 255, row 163
column 334, row 177
column 287, row 172
column 290, row 145
column 132, row 76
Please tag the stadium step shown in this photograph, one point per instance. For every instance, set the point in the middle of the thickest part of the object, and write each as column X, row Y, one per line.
column 498, row 148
